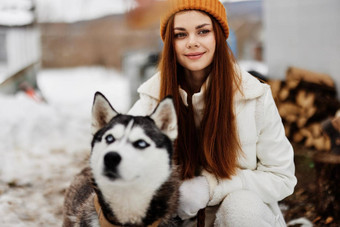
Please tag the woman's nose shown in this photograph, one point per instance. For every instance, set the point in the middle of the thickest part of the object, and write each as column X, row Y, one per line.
column 192, row 42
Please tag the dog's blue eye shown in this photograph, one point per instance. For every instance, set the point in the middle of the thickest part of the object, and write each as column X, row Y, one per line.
column 109, row 139
column 141, row 144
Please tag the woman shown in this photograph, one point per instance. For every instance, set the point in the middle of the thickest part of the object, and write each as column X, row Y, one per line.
column 234, row 158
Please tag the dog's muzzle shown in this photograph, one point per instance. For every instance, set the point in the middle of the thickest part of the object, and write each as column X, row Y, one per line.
column 111, row 161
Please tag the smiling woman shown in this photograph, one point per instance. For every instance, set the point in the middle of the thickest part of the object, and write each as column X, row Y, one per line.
column 232, row 152
column 194, row 46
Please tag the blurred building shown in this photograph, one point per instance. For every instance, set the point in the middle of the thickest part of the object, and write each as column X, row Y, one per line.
column 245, row 22
column 304, row 34
column 19, row 44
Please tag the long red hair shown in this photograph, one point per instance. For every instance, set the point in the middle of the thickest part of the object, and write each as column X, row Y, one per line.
column 213, row 146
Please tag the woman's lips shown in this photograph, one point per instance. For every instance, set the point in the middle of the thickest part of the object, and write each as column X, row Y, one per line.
column 194, row 56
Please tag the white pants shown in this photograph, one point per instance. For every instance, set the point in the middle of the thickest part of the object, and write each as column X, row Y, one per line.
column 241, row 209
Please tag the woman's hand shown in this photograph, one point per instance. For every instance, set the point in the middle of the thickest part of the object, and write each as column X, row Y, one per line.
column 220, row 188
column 194, row 195
column 225, row 187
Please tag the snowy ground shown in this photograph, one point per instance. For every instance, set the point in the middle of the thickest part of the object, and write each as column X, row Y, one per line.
column 43, row 145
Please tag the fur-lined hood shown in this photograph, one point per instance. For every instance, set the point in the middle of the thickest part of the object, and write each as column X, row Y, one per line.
column 250, row 86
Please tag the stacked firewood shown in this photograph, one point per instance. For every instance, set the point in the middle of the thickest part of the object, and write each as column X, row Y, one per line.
column 304, row 100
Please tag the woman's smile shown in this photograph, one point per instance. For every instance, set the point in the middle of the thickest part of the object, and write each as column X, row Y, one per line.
column 195, row 55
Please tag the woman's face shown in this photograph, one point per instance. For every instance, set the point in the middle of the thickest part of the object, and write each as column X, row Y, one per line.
column 194, row 40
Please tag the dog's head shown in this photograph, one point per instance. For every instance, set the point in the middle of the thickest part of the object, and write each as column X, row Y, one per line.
column 132, row 149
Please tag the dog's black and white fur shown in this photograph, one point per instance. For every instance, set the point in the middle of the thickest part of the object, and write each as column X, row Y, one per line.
column 130, row 171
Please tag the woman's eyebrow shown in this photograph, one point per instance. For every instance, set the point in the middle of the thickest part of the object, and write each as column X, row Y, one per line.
column 197, row 27
column 179, row 28
column 201, row 26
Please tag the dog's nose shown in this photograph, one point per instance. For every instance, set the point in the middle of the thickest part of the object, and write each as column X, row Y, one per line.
column 111, row 160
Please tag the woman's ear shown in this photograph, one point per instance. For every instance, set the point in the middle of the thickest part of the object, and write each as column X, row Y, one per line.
column 102, row 112
column 165, row 117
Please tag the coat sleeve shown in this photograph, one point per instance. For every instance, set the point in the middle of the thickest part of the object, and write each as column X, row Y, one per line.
column 274, row 177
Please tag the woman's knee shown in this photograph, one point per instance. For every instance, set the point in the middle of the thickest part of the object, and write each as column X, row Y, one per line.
column 244, row 208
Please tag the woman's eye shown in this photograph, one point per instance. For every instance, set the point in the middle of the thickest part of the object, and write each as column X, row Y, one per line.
column 141, row 144
column 180, row 35
column 109, row 139
column 203, row 32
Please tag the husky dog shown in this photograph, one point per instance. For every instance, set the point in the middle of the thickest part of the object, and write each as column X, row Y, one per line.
column 131, row 180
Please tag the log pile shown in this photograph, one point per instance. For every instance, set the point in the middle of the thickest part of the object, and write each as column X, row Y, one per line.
column 304, row 100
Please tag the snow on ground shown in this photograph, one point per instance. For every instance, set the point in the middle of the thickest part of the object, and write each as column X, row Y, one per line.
column 43, row 145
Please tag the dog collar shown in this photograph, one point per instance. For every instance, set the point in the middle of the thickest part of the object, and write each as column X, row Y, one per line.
column 103, row 222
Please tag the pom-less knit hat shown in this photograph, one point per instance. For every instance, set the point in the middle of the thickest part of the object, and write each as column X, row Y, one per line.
column 213, row 7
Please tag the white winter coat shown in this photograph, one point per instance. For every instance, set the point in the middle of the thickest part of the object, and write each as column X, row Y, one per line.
column 267, row 166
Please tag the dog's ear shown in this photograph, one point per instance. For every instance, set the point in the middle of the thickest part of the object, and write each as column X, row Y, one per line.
column 102, row 112
column 165, row 117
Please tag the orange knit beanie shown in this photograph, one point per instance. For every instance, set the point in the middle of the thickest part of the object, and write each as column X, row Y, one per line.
column 213, row 7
